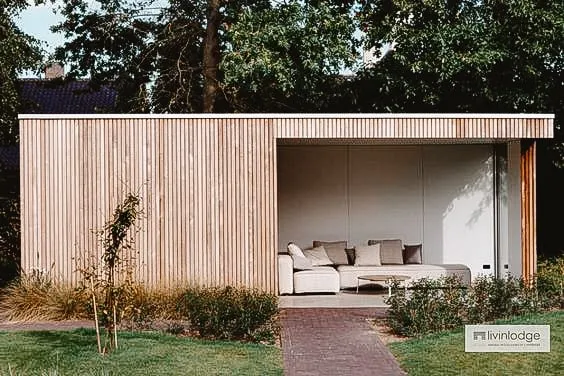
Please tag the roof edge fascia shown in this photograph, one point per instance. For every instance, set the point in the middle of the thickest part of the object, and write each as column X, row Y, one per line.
column 292, row 116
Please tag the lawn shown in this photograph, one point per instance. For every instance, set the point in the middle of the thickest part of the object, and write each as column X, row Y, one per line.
column 443, row 354
column 74, row 353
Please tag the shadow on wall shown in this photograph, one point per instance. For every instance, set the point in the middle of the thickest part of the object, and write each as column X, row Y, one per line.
column 459, row 194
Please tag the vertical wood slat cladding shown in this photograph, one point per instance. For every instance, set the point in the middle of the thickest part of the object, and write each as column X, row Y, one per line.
column 410, row 128
column 528, row 209
column 207, row 189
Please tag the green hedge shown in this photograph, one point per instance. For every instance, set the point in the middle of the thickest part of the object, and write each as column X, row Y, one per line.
column 446, row 303
column 231, row 313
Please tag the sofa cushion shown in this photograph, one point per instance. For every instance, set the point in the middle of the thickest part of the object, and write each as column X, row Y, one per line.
column 301, row 263
column 412, row 254
column 318, row 256
column 318, row 279
column 335, row 250
column 295, row 250
column 390, row 251
column 367, row 255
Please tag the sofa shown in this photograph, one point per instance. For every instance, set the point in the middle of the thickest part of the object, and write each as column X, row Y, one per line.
column 334, row 273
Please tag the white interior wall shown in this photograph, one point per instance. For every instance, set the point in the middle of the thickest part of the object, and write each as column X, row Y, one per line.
column 439, row 195
column 385, row 194
column 514, row 207
column 458, row 201
column 503, row 211
column 312, row 194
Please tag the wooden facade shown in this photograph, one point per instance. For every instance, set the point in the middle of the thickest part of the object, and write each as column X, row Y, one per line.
column 528, row 208
column 208, row 184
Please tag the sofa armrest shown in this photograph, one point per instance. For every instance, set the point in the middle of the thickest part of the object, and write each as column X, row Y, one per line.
column 285, row 274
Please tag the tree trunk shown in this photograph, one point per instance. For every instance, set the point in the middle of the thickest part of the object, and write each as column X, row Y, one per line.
column 211, row 55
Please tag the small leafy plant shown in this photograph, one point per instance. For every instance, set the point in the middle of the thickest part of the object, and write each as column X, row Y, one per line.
column 446, row 303
column 494, row 298
column 550, row 282
column 432, row 305
column 231, row 313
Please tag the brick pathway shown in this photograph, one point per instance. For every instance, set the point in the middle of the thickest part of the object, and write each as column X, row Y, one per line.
column 45, row 325
column 334, row 341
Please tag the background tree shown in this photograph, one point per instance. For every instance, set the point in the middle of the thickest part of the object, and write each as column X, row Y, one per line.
column 467, row 55
column 288, row 58
column 18, row 52
column 193, row 54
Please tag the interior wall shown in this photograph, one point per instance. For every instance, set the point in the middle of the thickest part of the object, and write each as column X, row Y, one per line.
column 438, row 195
column 514, row 207
column 385, row 185
column 502, row 209
column 312, row 194
column 458, row 201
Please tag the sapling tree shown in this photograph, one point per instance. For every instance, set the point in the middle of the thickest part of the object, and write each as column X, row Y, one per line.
column 114, row 278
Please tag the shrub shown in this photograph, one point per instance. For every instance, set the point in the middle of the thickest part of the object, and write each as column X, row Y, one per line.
column 494, row 298
column 445, row 303
column 144, row 305
column 35, row 296
column 231, row 313
column 432, row 305
column 9, row 240
column 550, row 282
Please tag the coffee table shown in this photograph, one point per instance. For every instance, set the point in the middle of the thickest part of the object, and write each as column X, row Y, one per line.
column 387, row 278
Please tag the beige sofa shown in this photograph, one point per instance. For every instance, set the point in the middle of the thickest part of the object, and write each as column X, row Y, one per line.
column 329, row 279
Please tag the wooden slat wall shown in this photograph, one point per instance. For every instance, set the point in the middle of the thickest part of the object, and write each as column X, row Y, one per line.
column 415, row 128
column 207, row 188
column 528, row 209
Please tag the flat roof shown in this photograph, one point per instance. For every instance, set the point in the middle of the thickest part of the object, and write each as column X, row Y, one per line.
column 292, row 116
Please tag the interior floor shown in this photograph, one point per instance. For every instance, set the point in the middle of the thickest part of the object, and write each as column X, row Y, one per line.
column 344, row 299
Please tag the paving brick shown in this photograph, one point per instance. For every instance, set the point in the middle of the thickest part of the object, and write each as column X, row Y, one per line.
column 334, row 341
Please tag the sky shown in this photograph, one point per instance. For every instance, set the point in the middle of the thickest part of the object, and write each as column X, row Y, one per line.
column 36, row 21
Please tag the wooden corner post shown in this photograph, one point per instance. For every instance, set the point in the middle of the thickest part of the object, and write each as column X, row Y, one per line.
column 528, row 208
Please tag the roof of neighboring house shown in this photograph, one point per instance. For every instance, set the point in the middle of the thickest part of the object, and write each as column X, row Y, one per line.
column 9, row 158
column 58, row 96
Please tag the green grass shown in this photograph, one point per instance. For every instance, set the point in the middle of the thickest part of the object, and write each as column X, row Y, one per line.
column 443, row 354
column 74, row 353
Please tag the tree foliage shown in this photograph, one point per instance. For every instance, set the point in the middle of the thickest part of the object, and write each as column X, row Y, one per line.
column 266, row 53
column 18, row 52
column 285, row 58
column 466, row 55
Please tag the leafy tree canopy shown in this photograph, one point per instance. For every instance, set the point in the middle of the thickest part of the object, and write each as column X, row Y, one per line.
column 273, row 55
column 18, row 52
column 466, row 55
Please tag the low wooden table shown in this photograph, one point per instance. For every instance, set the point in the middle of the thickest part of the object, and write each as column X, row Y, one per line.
column 388, row 278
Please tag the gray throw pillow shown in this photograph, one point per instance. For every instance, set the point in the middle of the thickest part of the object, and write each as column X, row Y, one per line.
column 350, row 255
column 302, row 263
column 412, row 254
column 335, row 250
column 367, row 255
column 318, row 256
column 390, row 251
